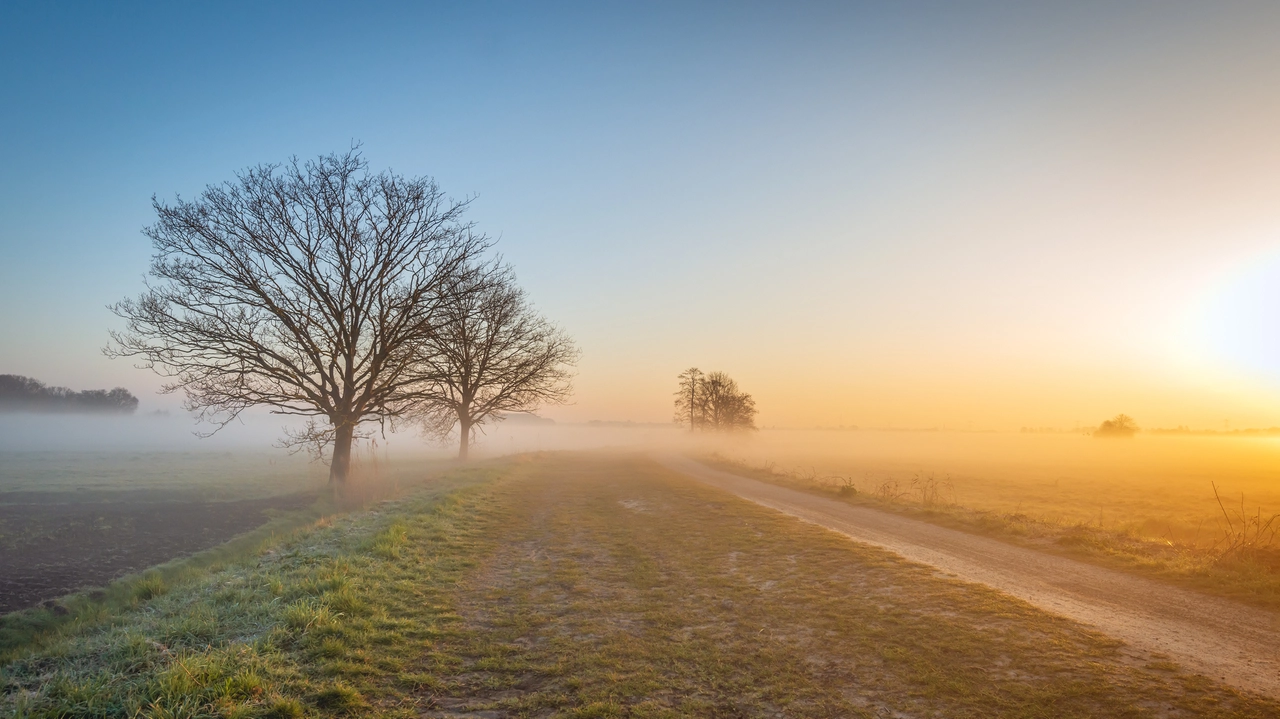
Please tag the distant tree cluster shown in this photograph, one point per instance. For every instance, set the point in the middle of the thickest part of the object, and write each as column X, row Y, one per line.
column 24, row 394
column 322, row 290
column 1121, row 425
column 713, row 402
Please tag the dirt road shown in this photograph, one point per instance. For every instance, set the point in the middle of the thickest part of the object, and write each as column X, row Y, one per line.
column 1223, row 640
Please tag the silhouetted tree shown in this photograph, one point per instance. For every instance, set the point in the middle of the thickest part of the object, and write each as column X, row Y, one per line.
column 713, row 402
column 1121, row 425
column 689, row 398
column 727, row 408
column 305, row 287
column 491, row 353
column 18, row 393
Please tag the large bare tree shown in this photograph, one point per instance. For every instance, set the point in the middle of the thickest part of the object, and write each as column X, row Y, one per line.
column 492, row 353
column 307, row 287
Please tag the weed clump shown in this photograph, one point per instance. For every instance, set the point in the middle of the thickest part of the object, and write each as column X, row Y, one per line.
column 150, row 587
column 284, row 709
column 339, row 697
column 1247, row 537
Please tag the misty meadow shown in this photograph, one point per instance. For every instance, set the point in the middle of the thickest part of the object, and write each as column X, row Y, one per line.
column 674, row 360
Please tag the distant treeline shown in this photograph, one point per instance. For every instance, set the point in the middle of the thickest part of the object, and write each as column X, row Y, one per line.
column 24, row 394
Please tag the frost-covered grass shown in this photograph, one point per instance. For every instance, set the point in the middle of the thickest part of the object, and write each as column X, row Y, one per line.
column 329, row 620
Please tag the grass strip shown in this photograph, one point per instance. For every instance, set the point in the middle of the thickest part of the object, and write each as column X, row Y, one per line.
column 324, row 622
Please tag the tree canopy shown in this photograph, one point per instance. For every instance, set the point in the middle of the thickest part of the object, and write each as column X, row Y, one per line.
column 306, row 287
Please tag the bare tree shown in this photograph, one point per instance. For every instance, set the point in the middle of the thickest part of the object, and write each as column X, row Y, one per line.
column 689, row 398
column 492, row 353
column 305, row 287
column 713, row 402
column 726, row 407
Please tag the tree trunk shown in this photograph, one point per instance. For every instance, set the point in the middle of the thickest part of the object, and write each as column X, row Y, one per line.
column 464, row 423
column 341, row 464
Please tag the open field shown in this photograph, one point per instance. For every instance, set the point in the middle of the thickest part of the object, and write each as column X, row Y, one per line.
column 590, row 586
column 1157, row 486
column 210, row 476
column 72, row 520
column 1145, row 504
column 50, row 546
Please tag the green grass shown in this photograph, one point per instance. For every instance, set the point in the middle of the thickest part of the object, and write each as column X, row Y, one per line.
column 583, row 586
column 322, row 621
column 1252, row 577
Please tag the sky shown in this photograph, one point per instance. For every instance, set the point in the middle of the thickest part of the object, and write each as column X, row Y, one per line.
column 961, row 215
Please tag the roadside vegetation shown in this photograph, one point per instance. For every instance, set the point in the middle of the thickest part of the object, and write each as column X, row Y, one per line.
column 582, row 586
column 1237, row 557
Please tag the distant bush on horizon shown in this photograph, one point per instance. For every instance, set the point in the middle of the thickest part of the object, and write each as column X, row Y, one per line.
column 24, row 394
column 1121, row 425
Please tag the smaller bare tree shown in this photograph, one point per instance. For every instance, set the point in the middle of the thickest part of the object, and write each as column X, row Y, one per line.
column 491, row 353
column 689, row 398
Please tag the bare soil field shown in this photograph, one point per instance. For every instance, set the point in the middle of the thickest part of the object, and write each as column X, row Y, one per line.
column 53, row 543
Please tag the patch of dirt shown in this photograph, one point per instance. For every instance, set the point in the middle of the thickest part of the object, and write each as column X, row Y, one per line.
column 635, row 505
column 1223, row 640
column 53, row 543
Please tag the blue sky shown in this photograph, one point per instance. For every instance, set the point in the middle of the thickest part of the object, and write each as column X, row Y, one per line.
column 867, row 214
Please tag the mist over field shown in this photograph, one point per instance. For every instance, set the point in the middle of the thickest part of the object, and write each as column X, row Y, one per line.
column 677, row 359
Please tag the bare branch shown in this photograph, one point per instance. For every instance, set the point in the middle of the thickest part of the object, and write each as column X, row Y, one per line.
column 306, row 287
